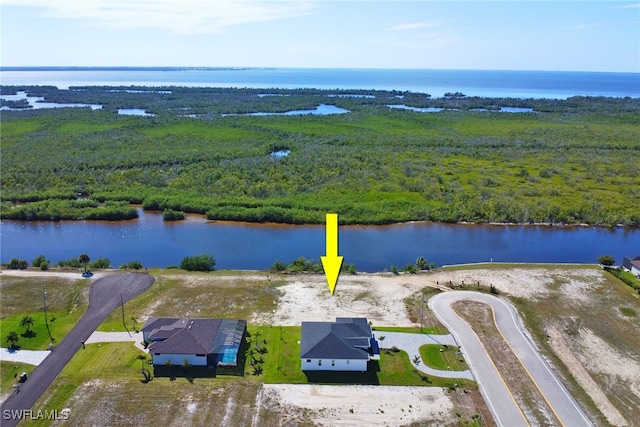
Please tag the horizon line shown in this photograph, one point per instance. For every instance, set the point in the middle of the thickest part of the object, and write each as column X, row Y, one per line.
column 241, row 68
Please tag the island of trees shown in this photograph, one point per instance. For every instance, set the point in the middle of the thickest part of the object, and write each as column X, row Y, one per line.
column 567, row 161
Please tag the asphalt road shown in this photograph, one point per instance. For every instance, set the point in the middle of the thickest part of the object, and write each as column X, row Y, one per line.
column 104, row 297
column 499, row 399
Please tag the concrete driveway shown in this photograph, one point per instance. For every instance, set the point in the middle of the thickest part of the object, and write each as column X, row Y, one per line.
column 411, row 343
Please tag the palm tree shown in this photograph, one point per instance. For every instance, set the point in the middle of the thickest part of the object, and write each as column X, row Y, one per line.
column 84, row 259
column 416, row 361
column 12, row 338
column 421, row 264
column 26, row 323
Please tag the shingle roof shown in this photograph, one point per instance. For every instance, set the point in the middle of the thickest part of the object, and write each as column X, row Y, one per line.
column 347, row 338
column 185, row 336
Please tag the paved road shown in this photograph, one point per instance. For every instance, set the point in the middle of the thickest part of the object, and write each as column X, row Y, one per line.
column 411, row 343
column 104, row 297
column 499, row 399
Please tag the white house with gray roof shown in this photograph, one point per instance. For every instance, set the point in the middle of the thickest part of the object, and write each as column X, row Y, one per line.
column 344, row 345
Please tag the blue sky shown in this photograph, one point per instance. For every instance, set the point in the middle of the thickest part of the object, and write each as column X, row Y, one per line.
column 507, row 35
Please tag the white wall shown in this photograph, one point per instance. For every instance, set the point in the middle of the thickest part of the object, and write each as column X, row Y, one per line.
column 333, row 365
column 178, row 359
column 635, row 270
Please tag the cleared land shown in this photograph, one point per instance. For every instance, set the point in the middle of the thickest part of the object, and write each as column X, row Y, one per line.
column 581, row 307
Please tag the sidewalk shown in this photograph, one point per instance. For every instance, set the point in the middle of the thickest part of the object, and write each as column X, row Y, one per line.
column 411, row 343
column 135, row 337
column 35, row 357
column 32, row 357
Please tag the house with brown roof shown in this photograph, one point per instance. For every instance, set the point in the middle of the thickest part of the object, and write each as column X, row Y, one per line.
column 202, row 342
column 344, row 345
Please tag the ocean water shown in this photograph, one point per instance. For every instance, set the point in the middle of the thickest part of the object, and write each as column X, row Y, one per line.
column 516, row 84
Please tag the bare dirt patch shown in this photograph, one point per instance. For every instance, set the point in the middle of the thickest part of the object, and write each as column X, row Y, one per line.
column 377, row 297
column 366, row 405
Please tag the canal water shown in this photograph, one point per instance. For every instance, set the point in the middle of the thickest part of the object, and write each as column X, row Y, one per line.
column 256, row 246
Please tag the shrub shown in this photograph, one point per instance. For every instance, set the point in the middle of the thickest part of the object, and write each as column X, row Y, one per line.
column 171, row 215
column 18, row 264
column 39, row 260
column 302, row 264
column 278, row 266
column 72, row 262
column 606, row 260
column 203, row 262
column 100, row 263
column 133, row 265
column 410, row 268
column 348, row 268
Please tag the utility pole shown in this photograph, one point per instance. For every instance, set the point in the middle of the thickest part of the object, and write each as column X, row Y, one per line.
column 421, row 310
column 44, row 300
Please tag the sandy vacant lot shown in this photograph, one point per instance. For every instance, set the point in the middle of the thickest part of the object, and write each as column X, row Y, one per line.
column 366, row 405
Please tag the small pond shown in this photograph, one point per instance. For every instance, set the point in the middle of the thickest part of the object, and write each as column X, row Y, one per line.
column 134, row 112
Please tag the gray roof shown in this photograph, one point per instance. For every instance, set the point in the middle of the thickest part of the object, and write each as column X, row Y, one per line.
column 193, row 336
column 347, row 338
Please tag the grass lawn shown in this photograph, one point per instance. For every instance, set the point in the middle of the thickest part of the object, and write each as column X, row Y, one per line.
column 67, row 301
column 408, row 329
column 7, row 370
column 441, row 357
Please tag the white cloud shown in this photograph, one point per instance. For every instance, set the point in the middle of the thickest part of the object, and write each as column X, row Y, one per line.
column 179, row 16
column 415, row 26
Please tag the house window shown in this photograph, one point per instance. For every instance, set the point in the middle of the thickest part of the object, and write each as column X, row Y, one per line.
column 200, row 355
column 347, row 361
column 308, row 360
column 333, row 363
column 319, row 362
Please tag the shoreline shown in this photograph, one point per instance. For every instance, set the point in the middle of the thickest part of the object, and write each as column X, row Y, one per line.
column 202, row 218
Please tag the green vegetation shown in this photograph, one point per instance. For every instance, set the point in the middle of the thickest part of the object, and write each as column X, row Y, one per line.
column 606, row 260
column 171, row 215
column 629, row 312
column 573, row 161
column 407, row 329
column 23, row 309
column 626, row 277
column 204, row 262
column 443, row 357
column 301, row 265
column 8, row 373
column 56, row 210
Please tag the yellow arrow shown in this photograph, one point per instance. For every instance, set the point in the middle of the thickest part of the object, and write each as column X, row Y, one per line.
column 332, row 262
